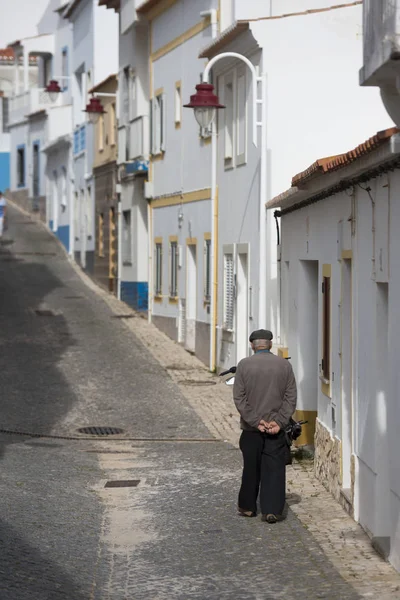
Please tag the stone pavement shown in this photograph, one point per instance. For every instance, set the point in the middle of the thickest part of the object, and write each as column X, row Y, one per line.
column 341, row 538
column 175, row 535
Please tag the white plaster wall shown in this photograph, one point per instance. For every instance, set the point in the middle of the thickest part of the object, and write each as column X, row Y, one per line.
column 187, row 161
column 105, row 43
column 196, row 222
column 58, row 159
column 315, row 103
column 132, row 198
column 179, row 18
column 312, row 233
column 239, row 210
column 254, row 9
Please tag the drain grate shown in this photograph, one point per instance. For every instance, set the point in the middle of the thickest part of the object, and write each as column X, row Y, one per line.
column 45, row 312
column 101, row 430
column 123, row 316
column 119, row 483
column 194, row 382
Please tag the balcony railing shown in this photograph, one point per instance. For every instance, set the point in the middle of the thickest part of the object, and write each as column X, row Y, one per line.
column 29, row 102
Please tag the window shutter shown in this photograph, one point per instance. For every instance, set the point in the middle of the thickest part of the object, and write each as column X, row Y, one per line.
column 228, row 291
column 163, row 122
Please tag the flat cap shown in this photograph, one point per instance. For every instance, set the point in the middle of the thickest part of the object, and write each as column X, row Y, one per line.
column 261, row 334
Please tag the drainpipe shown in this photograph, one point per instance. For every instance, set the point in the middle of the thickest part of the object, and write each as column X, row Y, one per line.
column 279, row 279
column 214, row 218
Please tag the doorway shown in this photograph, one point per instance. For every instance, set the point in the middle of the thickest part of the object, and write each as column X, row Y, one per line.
column 36, row 176
column 305, row 354
column 191, row 297
column 242, row 302
column 346, row 376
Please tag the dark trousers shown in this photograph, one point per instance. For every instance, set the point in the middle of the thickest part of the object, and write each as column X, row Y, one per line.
column 264, row 469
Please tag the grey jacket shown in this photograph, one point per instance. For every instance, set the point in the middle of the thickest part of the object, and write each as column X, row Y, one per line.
column 265, row 388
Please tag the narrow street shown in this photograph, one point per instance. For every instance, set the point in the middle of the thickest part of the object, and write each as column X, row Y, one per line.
column 68, row 363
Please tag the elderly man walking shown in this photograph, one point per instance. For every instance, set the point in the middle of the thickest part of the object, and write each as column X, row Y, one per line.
column 265, row 396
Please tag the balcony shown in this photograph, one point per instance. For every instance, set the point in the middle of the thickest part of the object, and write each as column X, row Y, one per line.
column 381, row 45
column 30, row 102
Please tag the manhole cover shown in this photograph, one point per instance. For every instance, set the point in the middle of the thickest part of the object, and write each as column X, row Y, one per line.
column 122, row 483
column 101, row 430
column 194, row 383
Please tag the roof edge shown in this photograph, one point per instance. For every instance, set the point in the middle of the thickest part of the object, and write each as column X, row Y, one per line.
column 224, row 38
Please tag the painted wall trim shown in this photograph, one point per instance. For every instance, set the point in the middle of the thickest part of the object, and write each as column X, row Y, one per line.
column 173, row 200
column 181, row 39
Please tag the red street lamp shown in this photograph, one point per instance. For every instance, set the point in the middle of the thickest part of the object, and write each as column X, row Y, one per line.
column 94, row 109
column 205, row 103
column 53, row 89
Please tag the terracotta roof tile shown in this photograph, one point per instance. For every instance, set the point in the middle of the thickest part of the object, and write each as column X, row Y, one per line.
column 7, row 57
column 333, row 163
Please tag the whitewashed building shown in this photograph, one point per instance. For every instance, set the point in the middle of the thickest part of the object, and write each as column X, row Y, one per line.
column 193, row 221
column 31, row 114
column 94, row 56
column 340, row 294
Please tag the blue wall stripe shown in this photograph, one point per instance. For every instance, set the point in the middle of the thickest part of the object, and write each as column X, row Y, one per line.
column 135, row 293
column 4, row 171
column 63, row 236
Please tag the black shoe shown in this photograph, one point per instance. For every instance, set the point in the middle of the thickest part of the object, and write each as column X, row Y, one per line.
column 270, row 518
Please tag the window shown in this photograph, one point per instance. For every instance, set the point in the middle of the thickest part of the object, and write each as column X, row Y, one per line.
column 82, row 138
column 178, row 104
column 21, row 166
column 76, row 141
column 326, row 324
column 158, row 269
column 64, row 68
column 228, row 291
column 229, row 119
column 207, row 270
column 158, row 123
column 113, row 245
column 113, row 124
column 100, row 238
column 241, row 120
column 173, row 284
column 100, row 133
column 126, row 238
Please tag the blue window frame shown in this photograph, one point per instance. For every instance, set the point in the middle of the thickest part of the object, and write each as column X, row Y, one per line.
column 64, row 68
column 83, row 138
column 21, row 165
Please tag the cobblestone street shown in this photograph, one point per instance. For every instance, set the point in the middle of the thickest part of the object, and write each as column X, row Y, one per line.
column 72, row 358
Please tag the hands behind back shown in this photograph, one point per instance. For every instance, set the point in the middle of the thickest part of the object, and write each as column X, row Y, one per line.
column 270, row 427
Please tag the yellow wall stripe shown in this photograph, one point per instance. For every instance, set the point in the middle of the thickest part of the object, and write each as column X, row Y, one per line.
column 181, row 39
column 195, row 196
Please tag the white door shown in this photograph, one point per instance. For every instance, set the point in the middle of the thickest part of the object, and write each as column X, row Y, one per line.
column 191, row 297
column 242, row 309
